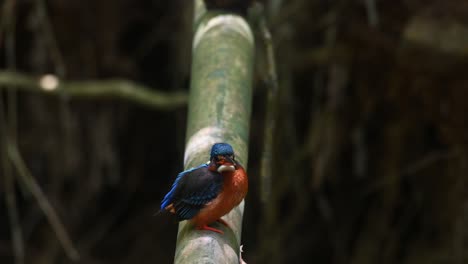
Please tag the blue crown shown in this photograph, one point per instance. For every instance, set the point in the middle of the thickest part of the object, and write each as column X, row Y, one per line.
column 223, row 149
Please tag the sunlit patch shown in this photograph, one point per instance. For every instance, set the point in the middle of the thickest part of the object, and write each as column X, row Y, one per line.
column 49, row 82
column 227, row 22
column 241, row 250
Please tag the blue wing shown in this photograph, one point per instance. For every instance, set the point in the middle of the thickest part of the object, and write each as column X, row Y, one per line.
column 168, row 197
column 192, row 189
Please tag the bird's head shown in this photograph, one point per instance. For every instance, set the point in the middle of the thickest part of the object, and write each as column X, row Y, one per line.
column 222, row 156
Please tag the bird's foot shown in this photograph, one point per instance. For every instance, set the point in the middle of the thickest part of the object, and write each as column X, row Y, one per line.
column 220, row 220
column 205, row 227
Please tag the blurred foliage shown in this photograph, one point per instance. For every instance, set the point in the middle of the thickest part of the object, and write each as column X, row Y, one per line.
column 370, row 147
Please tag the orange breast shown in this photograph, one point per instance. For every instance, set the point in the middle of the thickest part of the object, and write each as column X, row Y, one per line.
column 234, row 190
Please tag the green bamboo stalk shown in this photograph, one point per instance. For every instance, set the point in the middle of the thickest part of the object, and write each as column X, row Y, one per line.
column 219, row 111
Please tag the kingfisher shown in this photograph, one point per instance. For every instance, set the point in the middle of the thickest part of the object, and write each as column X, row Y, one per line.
column 205, row 193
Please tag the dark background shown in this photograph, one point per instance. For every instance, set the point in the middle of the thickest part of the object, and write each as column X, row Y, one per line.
column 370, row 148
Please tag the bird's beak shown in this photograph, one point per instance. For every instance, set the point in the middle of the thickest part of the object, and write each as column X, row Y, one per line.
column 229, row 160
column 226, row 168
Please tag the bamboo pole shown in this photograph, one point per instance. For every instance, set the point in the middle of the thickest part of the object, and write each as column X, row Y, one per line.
column 219, row 111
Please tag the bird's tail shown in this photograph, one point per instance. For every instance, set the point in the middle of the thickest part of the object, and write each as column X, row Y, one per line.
column 160, row 211
column 168, row 209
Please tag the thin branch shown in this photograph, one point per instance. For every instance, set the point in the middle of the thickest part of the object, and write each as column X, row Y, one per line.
column 113, row 88
column 10, row 198
column 270, row 120
column 424, row 163
column 428, row 160
column 52, row 42
column 13, row 215
column 372, row 14
column 29, row 181
column 10, row 55
column 8, row 131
